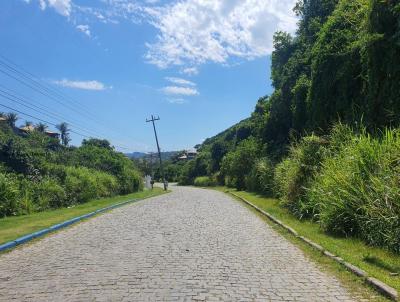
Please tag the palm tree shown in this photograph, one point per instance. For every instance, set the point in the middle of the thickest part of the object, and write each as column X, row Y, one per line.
column 12, row 118
column 41, row 127
column 28, row 123
column 64, row 130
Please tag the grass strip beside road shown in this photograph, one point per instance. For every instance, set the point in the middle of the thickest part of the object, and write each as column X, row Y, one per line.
column 14, row 227
column 377, row 262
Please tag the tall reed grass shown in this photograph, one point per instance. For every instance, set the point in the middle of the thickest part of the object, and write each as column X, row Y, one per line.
column 349, row 182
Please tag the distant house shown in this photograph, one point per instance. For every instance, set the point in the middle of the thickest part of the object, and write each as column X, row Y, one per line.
column 3, row 119
column 183, row 157
column 52, row 134
column 30, row 128
column 27, row 129
column 188, row 154
column 191, row 154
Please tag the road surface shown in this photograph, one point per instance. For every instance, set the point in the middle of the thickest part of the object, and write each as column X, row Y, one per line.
column 189, row 245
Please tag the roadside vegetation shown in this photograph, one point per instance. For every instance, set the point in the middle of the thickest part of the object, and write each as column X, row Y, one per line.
column 40, row 172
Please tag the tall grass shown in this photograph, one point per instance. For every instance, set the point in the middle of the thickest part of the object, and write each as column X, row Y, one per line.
column 261, row 177
column 357, row 192
column 349, row 182
column 294, row 175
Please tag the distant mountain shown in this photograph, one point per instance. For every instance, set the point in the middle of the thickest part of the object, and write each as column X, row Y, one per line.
column 164, row 155
column 136, row 155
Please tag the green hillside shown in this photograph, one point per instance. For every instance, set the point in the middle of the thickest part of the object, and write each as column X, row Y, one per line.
column 325, row 142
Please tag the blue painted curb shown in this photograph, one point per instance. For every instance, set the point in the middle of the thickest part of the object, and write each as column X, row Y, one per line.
column 29, row 237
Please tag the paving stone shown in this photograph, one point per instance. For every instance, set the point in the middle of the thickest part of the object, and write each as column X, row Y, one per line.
column 189, row 245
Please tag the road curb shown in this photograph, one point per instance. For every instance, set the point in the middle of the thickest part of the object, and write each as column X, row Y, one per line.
column 380, row 286
column 29, row 237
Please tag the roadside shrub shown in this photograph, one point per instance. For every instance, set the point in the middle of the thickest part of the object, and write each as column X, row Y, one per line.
column 205, row 181
column 219, row 177
column 261, row 177
column 294, row 175
column 15, row 154
column 9, row 193
column 357, row 192
column 237, row 164
column 48, row 193
column 129, row 181
column 80, row 185
column 83, row 184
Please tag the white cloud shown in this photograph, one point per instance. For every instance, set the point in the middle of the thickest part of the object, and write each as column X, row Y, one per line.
column 178, row 101
column 84, row 28
column 198, row 31
column 192, row 32
column 63, row 7
column 42, row 4
column 180, row 81
column 176, row 90
column 86, row 85
column 190, row 71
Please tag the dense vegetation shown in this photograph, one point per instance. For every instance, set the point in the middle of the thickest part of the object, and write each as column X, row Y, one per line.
column 325, row 142
column 37, row 172
column 149, row 164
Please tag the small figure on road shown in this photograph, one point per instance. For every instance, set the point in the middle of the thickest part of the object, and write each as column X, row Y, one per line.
column 152, row 184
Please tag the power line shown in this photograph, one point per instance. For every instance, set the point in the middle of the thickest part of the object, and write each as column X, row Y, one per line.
column 12, row 98
column 50, row 123
column 33, row 79
column 38, row 109
column 38, row 90
column 33, row 82
column 47, row 89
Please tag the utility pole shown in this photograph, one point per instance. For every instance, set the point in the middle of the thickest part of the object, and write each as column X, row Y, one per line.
column 153, row 119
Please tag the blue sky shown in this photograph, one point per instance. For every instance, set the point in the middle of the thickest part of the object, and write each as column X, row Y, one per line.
column 199, row 65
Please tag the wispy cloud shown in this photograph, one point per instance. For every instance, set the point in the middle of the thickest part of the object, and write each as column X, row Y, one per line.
column 180, row 81
column 190, row 71
column 63, row 7
column 177, row 101
column 84, row 28
column 85, row 85
column 177, row 90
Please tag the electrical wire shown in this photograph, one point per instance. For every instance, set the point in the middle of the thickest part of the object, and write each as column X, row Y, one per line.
column 50, row 123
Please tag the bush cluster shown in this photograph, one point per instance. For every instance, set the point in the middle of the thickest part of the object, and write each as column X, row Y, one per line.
column 205, row 181
column 38, row 173
column 295, row 173
column 351, row 185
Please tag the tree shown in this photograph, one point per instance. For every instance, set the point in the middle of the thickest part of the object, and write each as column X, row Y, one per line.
column 41, row 127
column 218, row 151
column 28, row 123
column 11, row 119
column 64, row 131
column 237, row 164
column 101, row 143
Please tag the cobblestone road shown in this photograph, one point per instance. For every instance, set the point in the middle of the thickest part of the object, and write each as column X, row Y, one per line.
column 189, row 245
